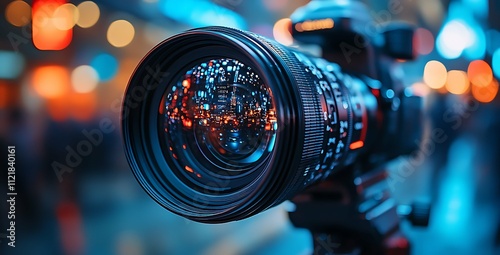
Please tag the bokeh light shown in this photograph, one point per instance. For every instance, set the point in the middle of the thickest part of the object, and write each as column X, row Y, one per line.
column 78, row 106
column 4, row 94
column 50, row 81
column 457, row 82
column 424, row 41
column 83, row 106
column 65, row 16
column 495, row 62
column 105, row 65
column 419, row 89
column 88, row 14
column 485, row 94
column 46, row 36
column 480, row 73
column 435, row 74
column 281, row 31
column 84, row 79
column 18, row 13
column 453, row 39
column 120, row 33
column 15, row 64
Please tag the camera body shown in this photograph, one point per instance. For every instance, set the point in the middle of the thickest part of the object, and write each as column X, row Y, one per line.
column 349, row 37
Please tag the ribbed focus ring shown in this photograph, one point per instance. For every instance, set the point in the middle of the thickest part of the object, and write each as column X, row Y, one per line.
column 312, row 113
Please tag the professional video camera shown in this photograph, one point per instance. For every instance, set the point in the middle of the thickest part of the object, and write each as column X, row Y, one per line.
column 221, row 124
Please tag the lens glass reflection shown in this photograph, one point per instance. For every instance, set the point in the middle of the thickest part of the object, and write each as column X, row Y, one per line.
column 218, row 116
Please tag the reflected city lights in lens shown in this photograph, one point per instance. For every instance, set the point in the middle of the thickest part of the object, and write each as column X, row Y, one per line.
column 457, row 82
column 281, row 31
column 222, row 111
column 435, row 74
column 84, row 79
column 88, row 14
column 18, row 13
column 65, row 16
column 120, row 33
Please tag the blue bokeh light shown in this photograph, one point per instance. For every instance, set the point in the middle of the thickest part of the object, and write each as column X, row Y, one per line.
column 12, row 64
column 495, row 62
column 106, row 66
column 201, row 13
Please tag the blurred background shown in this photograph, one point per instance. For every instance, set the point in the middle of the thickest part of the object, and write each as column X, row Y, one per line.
column 64, row 66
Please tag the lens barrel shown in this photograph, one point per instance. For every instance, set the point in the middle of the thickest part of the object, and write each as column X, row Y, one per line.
column 220, row 124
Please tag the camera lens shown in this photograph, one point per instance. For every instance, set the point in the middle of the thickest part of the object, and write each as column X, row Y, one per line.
column 218, row 116
column 221, row 124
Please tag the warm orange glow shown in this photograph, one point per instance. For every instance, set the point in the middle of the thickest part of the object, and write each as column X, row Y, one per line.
column 50, row 81
column 356, row 145
column 485, row 94
column 189, row 169
column 89, row 14
column 83, row 107
column 18, row 13
column 58, row 108
column 77, row 106
column 46, row 35
column 312, row 25
column 435, row 74
column 65, row 16
column 4, row 95
column 282, row 31
column 423, row 41
column 457, row 82
column 480, row 73
column 187, row 122
column 70, row 224
column 120, row 33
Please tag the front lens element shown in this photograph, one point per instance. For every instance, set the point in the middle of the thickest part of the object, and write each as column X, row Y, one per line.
column 218, row 116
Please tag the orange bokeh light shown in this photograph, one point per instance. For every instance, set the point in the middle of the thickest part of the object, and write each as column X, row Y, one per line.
column 77, row 106
column 46, row 34
column 485, row 94
column 480, row 73
column 50, row 81
column 457, row 82
column 435, row 74
column 281, row 31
